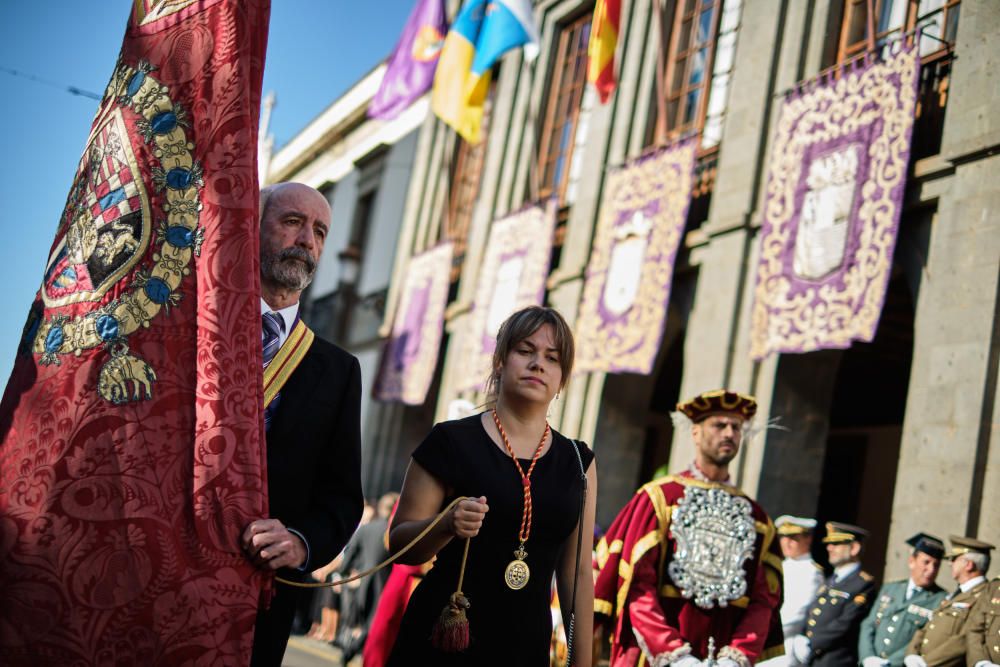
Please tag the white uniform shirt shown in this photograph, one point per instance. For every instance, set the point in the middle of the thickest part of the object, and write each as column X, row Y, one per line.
column 802, row 579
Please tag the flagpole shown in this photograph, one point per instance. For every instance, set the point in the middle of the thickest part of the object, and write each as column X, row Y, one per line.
column 661, row 73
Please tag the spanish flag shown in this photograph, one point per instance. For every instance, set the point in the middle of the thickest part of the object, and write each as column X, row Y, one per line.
column 482, row 32
column 601, row 50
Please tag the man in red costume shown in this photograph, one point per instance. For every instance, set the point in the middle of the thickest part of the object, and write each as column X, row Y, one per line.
column 690, row 571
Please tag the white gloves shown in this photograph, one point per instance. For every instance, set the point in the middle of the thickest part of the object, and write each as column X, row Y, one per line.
column 986, row 663
column 802, row 649
column 914, row 661
column 874, row 661
column 686, row 661
column 726, row 662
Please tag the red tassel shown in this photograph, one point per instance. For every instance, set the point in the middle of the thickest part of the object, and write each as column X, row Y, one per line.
column 451, row 632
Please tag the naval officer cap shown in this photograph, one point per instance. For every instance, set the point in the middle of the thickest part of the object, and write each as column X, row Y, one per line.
column 963, row 545
column 843, row 533
column 927, row 544
column 789, row 525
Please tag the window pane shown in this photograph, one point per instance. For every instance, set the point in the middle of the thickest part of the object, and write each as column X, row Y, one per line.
column 684, row 38
column 717, row 96
column 712, row 134
column 671, row 112
column 691, row 105
column 730, row 16
column 697, row 70
column 678, row 78
column 704, row 26
column 892, row 15
column 932, row 27
column 952, row 29
column 725, row 49
column 858, row 27
column 927, row 6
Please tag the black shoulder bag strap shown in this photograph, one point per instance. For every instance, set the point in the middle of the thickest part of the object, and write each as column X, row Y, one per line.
column 576, row 563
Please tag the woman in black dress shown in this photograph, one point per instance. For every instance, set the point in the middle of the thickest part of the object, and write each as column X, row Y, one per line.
column 523, row 483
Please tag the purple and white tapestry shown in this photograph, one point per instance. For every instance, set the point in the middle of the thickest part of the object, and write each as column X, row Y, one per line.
column 628, row 279
column 835, row 189
column 512, row 276
column 411, row 353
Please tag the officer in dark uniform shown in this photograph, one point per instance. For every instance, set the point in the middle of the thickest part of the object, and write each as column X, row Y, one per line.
column 903, row 607
column 842, row 602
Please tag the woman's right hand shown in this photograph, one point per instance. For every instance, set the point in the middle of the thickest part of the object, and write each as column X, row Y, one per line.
column 467, row 517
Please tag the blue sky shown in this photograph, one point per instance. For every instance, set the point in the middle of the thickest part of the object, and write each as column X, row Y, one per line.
column 316, row 50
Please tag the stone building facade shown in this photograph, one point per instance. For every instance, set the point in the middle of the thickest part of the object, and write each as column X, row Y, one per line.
column 899, row 435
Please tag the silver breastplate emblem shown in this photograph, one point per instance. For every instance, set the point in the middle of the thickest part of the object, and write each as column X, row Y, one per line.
column 715, row 536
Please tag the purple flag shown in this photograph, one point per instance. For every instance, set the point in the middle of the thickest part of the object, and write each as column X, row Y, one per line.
column 410, row 71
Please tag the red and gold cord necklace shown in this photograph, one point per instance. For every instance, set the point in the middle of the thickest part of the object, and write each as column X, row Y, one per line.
column 517, row 572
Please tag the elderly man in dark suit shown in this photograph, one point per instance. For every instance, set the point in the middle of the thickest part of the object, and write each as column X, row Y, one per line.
column 312, row 394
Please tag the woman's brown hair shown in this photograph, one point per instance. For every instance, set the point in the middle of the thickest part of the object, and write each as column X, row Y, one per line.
column 520, row 326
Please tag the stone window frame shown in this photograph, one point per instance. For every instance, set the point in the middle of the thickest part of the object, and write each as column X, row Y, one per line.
column 465, row 183
column 566, row 108
column 939, row 19
column 694, row 28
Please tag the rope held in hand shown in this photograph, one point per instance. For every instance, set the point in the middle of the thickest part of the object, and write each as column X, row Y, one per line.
column 389, row 561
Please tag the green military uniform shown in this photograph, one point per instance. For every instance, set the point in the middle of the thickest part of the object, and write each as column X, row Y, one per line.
column 983, row 636
column 893, row 620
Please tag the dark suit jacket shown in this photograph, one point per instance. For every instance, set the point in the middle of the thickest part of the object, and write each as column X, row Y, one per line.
column 313, row 476
column 834, row 620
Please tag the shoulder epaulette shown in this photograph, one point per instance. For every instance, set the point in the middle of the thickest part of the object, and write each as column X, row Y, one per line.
column 819, row 568
column 864, row 575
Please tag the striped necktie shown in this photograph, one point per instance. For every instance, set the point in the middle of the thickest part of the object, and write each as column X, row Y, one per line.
column 271, row 324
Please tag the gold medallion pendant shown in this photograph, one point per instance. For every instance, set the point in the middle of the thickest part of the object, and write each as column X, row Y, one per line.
column 517, row 573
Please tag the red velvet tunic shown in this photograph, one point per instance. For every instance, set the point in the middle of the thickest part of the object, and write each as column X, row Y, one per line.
column 635, row 594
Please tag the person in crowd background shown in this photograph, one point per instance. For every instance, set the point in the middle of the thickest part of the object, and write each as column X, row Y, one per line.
column 942, row 642
column 982, row 640
column 903, row 607
column 842, row 602
column 801, row 577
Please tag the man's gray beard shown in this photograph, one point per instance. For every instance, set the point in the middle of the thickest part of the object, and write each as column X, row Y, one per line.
column 281, row 269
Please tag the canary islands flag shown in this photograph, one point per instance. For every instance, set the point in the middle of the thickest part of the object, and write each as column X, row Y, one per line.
column 483, row 31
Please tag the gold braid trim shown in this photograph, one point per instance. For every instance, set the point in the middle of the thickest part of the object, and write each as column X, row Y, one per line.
column 604, row 551
column 288, row 358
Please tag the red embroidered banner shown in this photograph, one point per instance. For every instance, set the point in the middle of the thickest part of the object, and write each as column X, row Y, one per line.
column 131, row 452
